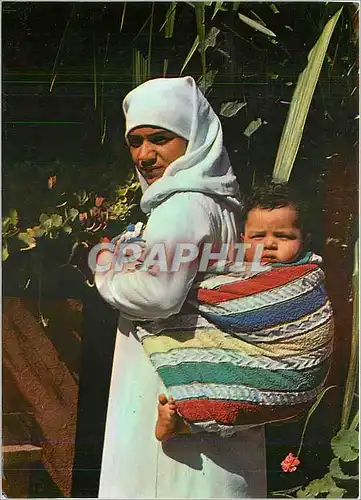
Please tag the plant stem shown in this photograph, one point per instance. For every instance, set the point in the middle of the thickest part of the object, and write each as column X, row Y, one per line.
column 352, row 368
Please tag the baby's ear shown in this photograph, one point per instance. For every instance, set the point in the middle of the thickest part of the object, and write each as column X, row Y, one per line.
column 242, row 236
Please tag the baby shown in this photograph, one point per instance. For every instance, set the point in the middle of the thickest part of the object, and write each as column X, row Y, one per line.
column 276, row 218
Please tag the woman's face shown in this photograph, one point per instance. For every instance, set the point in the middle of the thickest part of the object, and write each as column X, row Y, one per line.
column 153, row 150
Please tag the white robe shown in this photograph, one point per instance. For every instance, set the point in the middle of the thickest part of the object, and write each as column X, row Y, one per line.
column 135, row 464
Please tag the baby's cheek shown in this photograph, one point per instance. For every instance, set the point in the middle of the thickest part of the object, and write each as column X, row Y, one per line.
column 249, row 252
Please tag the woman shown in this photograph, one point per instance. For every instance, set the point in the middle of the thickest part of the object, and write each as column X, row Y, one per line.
column 192, row 196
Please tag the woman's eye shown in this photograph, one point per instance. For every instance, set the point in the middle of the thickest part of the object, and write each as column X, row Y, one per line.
column 161, row 139
column 134, row 142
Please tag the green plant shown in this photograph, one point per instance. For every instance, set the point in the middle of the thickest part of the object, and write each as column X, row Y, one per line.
column 345, row 444
column 300, row 104
column 81, row 216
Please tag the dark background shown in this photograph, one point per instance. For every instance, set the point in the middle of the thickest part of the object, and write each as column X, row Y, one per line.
column 59, row 132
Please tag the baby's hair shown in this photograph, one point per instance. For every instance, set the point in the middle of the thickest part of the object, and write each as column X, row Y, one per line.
column 270, row 195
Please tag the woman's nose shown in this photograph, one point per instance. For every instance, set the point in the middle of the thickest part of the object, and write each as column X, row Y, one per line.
column 146, row 154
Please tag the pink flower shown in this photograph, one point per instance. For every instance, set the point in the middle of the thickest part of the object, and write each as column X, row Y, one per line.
column 290, row 463
column 99, row 201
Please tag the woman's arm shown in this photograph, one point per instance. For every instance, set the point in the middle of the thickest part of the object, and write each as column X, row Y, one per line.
column 159, row 293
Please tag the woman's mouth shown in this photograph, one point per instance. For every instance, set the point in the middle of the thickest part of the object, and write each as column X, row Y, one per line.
column 151, row 172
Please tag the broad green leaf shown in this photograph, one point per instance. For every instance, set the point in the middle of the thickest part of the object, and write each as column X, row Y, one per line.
column 28, row 239
column 5, row 252
column 300, row 104
column 252, row 127
column 43, row 218
column 67, row 229
column 255, row 25
column 345, row 445
column 321, row 486
column 56, row 220
column 205, row 82
column 45, row 222
column 337, row 472
column 231, row 108
column 13, row 215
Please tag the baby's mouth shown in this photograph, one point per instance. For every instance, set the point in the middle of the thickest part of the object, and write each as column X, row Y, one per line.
column 267, row 259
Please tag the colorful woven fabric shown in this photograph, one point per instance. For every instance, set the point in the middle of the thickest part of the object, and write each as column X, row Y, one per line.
column 256, row 350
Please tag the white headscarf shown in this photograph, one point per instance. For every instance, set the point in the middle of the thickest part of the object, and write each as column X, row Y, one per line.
column 176, row 104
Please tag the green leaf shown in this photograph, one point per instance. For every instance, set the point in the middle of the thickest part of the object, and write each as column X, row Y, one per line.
column 320, row 486
column 345, row 445
column 169, row 20
column 205, row 82
column 255, row 25
column 123, row 16
column 336, row 471
column 67, row 229
column 43, row 218
column 300, row 104
column 45, row 222
column 274, row 8
column 5, row 224
column 219, row 6
column 73, row 213
column 231, row 108
column 5, row 252
column 211, row 37
column 28, row 239
column 56, row 220
column 209, row 41
column 252, row 127
column 14, row 218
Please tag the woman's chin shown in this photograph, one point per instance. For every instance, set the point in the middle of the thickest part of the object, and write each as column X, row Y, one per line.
column 151, row 180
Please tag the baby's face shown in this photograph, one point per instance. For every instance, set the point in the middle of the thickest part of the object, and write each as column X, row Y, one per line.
column 277, row 230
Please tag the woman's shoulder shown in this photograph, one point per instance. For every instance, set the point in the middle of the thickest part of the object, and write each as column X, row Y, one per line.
column 190, row 200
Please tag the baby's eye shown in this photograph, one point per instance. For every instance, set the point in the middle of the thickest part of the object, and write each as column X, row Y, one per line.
column 257, row 236
column 285, row 237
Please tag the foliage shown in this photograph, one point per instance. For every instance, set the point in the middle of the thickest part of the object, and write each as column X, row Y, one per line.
column 300, row 104
column 82, row 216
column 345, row 444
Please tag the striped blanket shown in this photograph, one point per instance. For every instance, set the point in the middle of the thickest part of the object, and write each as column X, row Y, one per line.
column 250, row 350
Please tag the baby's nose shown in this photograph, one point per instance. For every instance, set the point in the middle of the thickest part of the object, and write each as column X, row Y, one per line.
column 270, row 242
